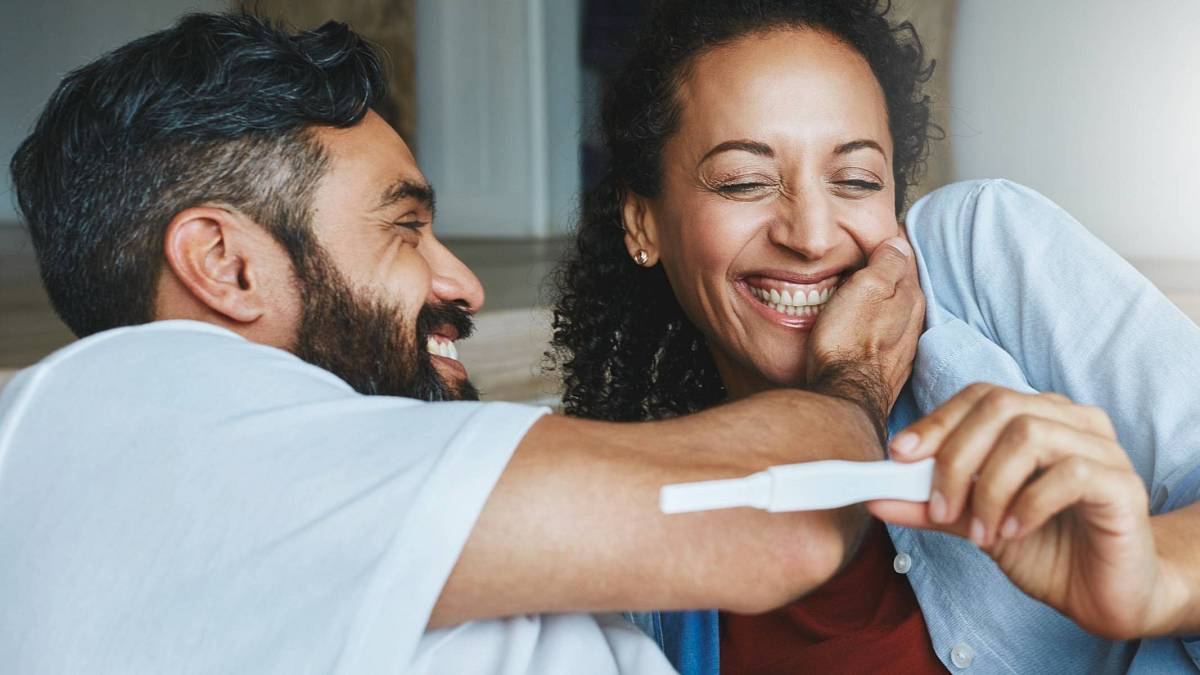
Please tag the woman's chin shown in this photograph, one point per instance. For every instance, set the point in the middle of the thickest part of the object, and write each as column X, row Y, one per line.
column 780, row 375
column 746, row 370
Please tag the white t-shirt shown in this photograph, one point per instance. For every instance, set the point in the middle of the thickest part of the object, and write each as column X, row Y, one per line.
column 176, row 499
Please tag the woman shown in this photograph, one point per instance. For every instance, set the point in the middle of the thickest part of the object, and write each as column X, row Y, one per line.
column 760, row 152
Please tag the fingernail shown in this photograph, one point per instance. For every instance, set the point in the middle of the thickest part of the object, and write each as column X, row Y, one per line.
column 1009, row 528
column 900, row 245
column 937, row 507
column 977, row 532
column 905, row 442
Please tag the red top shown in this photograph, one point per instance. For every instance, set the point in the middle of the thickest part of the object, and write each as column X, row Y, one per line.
column 865, row 620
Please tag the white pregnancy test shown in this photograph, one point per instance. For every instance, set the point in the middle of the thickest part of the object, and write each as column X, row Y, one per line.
column 808, row 486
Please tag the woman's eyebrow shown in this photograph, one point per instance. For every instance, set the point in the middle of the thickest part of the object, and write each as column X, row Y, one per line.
column 859, row 144
column 753, row 147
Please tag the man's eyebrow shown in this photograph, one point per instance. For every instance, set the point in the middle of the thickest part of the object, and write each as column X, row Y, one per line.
column 409, row 189
column 753, row 147
column 851, row 146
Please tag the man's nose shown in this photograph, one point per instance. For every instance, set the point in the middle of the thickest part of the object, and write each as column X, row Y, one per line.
column 453, row 281
column 806, row 225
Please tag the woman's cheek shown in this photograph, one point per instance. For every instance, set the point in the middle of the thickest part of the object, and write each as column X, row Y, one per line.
column 870, row 235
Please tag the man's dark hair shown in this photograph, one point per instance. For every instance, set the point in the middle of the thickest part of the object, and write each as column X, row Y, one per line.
column 216, row 109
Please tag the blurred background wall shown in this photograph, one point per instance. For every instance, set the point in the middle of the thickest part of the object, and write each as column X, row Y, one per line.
column 41, row 41
column 1094, row 103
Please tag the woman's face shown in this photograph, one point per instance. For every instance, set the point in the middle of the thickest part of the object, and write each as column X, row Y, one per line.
column 776, row 186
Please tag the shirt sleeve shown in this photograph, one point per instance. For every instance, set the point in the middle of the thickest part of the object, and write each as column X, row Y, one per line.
column 1073, row 316
column 440, row 519
column 212, row 505
column 1070, row 316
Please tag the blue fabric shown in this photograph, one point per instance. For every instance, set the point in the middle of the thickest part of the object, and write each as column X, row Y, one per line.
column 692, row 641
column 1021, row 295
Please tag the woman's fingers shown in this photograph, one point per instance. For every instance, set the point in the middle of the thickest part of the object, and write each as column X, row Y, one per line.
column 965, row 431
column 925, row 437
column 1027, row 445
column 913, row 514
column 1109, row 496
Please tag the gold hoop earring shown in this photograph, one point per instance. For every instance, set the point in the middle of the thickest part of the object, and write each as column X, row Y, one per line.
column 641, row 257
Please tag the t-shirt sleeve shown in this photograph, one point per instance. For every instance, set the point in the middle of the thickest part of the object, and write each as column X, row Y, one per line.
column 439, row 519
column 210, row 505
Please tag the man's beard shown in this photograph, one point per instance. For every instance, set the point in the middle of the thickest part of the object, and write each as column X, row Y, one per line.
column 365, row 341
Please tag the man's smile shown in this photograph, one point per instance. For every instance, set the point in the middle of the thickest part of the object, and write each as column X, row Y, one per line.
column 440, row 345
column 444, row 353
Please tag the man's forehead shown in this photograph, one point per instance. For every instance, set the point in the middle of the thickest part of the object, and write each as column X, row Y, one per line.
column 372, row 160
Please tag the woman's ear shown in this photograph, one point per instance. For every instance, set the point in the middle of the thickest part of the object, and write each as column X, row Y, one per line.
column 641, row 233
column 215, row 254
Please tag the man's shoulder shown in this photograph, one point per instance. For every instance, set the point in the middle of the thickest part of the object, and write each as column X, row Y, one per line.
column 157, row 340
column 181, row 364
column 178, row 348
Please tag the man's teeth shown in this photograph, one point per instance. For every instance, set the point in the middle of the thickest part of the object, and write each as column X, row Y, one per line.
column 797, row 303
column 439, row 348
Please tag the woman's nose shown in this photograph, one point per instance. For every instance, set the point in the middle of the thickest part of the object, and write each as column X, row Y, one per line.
column 453, row 281
column 805, row 225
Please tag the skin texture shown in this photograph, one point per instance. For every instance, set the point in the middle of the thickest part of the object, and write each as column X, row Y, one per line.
column 792, row 202
column 573, row 523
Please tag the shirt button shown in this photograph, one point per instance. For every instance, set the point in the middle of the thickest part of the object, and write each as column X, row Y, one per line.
column 902, row 563
column 961, row 655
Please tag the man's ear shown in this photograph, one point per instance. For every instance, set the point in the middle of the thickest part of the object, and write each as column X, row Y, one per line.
column 215, row 253
column 641, row 232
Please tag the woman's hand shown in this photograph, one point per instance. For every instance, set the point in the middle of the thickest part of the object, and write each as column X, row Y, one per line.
column 1042, row 485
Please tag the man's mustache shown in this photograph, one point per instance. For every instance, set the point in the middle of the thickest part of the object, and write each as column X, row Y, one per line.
column 442, row 314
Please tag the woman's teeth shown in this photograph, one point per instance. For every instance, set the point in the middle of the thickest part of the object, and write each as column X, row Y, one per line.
column 442, row 348
column 793, row 303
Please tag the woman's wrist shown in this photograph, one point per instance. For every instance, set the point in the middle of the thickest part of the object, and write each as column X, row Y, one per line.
column 1175, row 608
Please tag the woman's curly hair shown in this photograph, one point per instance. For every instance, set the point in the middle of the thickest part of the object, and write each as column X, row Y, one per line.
column 624, row 346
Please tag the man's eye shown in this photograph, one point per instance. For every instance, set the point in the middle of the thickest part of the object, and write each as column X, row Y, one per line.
column 409, row 224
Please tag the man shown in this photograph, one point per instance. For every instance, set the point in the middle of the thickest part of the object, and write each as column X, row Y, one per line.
column 234, row 471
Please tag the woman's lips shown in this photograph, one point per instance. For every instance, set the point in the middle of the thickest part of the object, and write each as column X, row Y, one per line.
column 786, row 302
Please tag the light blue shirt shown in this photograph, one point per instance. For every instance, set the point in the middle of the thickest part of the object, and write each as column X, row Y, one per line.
column 1021, row 295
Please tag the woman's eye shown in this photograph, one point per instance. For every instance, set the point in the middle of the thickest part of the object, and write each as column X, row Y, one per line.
column 861, row 185
column 740, row 188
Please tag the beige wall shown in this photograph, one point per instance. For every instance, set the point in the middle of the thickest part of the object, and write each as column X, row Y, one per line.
column 1095, row 103
column 934, row 23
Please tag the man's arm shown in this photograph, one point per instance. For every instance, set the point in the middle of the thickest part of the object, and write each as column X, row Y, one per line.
column 573, row 523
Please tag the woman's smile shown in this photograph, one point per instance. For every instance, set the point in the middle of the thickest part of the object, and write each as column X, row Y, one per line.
column 789, row 300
